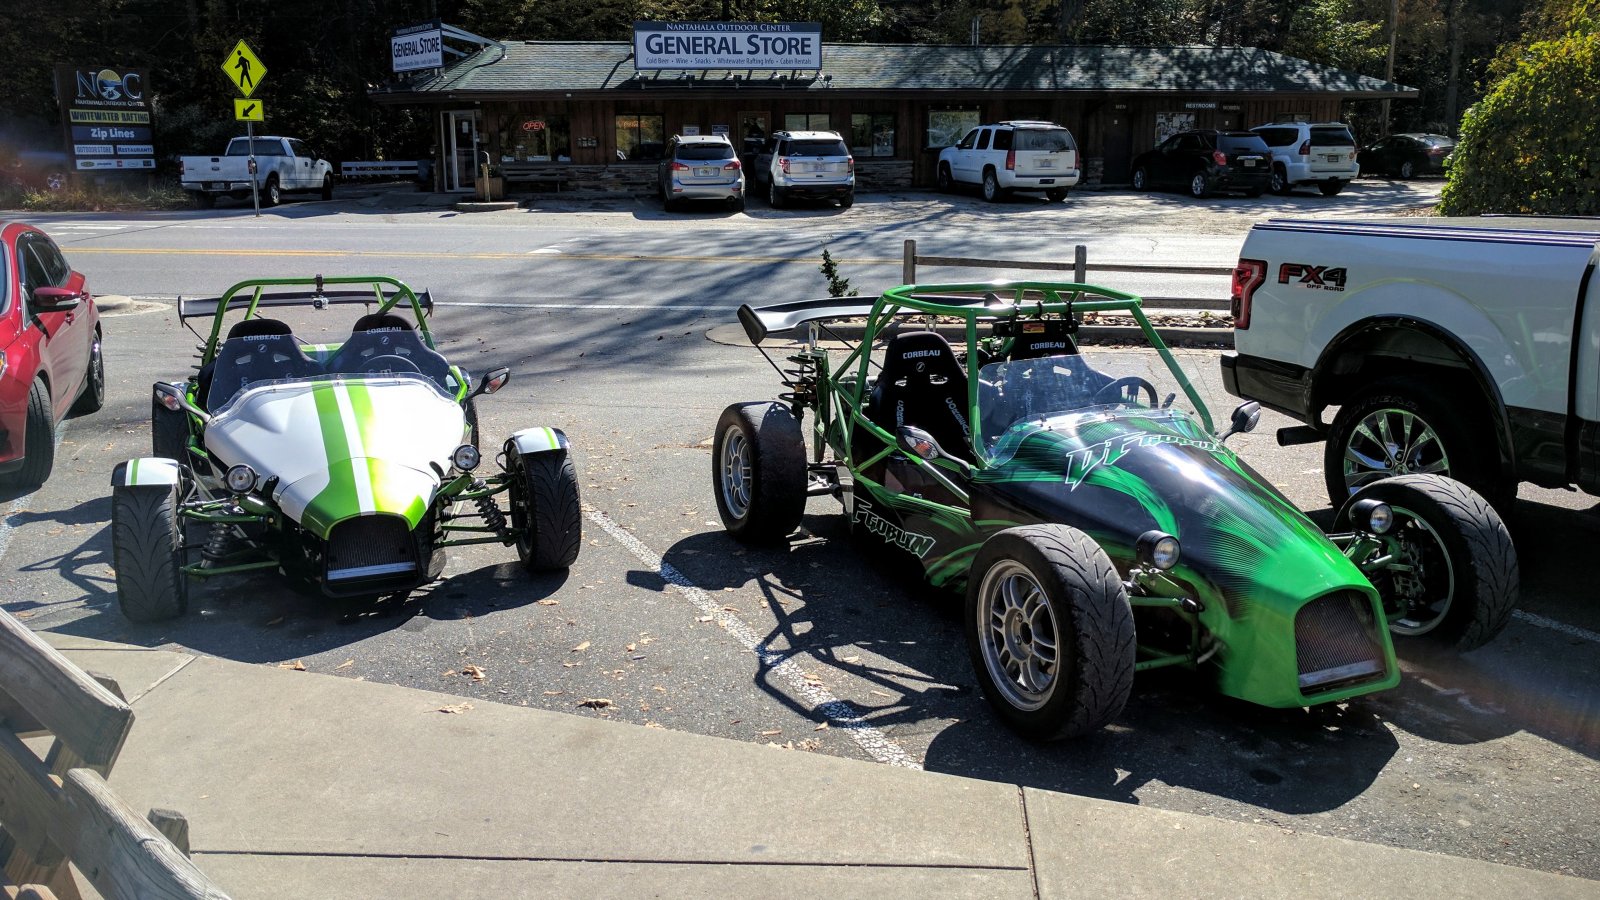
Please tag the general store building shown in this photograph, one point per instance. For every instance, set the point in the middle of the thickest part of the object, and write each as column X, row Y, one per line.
column 580, row 114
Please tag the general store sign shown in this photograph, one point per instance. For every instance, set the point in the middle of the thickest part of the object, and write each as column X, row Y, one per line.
column 727, row 45
column 417, row 47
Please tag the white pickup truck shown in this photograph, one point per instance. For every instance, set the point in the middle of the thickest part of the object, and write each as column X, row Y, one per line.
column 1463, row 347
column 282, row 165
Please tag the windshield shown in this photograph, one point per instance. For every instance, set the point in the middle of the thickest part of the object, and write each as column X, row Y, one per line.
column 311, row 382
column 1049, row 140
column 1014, row 393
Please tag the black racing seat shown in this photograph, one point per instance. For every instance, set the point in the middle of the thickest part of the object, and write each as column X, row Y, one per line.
column 385, row 342
column 1040, row 338
column 256, row 350
column 924, row 384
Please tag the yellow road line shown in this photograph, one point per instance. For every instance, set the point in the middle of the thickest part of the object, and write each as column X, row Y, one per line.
column 412, row 254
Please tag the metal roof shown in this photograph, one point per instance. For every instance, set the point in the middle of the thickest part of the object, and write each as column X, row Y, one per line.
column 543, row 67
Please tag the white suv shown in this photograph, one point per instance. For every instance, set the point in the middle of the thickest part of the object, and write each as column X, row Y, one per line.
column 1012, row 156
column 1302, row 153
column 810, row 164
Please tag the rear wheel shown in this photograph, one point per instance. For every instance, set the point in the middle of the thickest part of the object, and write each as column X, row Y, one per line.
column 758, row 470
column 203, row 200
column 1056, row 195
column 169, row 432
column 1454, row 581
column 1141, row 179
column 774, row 195
column 946, row 183
column 1199, row 185
column 848, row 200
column 991, row 186
column 544, row 508
column 147, row 552
column 1407, row 169
column 1050, row 631
column 327, row 187
column 738, row 205
column 270, row 194
column 1280, row 181
column 39, row 441
column 94, row 385
column 1331, row 188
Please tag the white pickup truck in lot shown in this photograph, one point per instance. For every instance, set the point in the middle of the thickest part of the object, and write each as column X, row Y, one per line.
column 282, row 165
column 1463, row 347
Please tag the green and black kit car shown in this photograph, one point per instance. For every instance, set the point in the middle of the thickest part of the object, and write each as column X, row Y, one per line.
column 349, row 467
column 1096, row 522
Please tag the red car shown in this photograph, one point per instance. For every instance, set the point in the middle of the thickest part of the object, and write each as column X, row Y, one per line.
column 50, row 361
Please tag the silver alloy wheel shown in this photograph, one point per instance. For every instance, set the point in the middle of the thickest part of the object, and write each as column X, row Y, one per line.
column 1197, row 186
column 736, row 474
column 991, row 185
column 1139, row 179
column 1407, row 169
column 1421, row 563
column 1018, row 635
column 1389, row 442
column 1280, row 181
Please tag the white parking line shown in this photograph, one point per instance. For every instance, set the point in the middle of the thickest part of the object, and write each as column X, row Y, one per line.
column 1553, row 625
column 838, row 713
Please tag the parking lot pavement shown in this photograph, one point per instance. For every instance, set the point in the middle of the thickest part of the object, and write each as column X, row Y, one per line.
column 820, row 648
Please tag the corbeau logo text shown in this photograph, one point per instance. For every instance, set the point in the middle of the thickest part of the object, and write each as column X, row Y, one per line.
column 918, row 544
column 1319, row 278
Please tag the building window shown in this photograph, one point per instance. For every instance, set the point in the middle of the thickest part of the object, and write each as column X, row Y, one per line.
column 534, row 138
column 640, row 137
column 946, row 126
column 806, row 122
column 752, row 131
column 872, row 134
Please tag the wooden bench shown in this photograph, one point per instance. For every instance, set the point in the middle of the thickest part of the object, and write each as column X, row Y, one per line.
column 534, row 173
column 383, row 169
column 59, row 808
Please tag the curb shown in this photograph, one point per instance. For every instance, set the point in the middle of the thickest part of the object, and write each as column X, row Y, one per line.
column 1178, row 335
column 112, row 302
column 472, row 206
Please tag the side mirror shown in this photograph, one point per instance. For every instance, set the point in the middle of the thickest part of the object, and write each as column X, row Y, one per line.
column 1245, row 420
column 493, row 381
column 919, row 443
column 55, row 299
column 173, row 397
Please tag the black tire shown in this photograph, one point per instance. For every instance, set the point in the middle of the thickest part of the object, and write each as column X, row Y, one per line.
column 271, row 195
column 1199, row 186
column 1056, row 195
column 738, row 205
column 327, row 187
column 1444, row 523
column 203, row 200
column 1280, row 181
column 1461, row 440
column 544, row 508
column 775, row 197
column 1331, row 188
column 946, row 183
column 169, row 433
column 848, row 200
column 1086, row 606
column 1141, row 179
column 1407, row 171
column 93, row 395
column 991, row 186
column 469, row 410
column 147, row 551
column 761, row 486
column 38, row 444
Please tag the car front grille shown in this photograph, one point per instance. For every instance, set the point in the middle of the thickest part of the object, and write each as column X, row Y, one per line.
column 371, row 547
column 1336, row 642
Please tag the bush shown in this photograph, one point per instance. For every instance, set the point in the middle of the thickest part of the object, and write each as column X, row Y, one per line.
column 92, row 198
column 1532, row 145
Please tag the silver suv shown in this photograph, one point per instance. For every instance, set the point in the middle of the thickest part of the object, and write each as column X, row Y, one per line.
column 814, row 164
column 1323, row 154
column 701, row 167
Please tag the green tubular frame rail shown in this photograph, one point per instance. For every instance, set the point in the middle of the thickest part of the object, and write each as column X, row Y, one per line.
column 257, row 288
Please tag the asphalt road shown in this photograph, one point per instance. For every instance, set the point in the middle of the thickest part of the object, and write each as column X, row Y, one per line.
column 602, row 315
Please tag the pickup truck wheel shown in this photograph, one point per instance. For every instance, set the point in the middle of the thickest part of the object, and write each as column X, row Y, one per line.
column 758, row 471
column 270, row 195
column 991, row 186
column 1199, row 186
column 1050, row 631
column 38, row 443
column 946, row 183
column 1280, row 181
column 327, row 187
column 202, row 200
column 1141, row 179
column 147, row 552
column 1454, row 580
column 1331, row 188
column 1406, row 426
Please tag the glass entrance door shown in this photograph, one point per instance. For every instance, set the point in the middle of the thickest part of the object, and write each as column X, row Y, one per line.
column 461, row 149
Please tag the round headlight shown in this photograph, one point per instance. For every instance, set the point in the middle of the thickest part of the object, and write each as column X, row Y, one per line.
column 466, row 457
column 1377, row 516
column 1159, row 549
column 241, row 478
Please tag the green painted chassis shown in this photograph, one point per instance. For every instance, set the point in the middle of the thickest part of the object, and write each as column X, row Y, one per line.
column 839, row 403
column 250, row 510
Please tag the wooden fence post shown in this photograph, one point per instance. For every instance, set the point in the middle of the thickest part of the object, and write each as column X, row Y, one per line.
column 908, row 264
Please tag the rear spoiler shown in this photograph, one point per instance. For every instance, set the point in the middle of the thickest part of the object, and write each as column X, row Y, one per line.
column 207, row 306
column 758, row 322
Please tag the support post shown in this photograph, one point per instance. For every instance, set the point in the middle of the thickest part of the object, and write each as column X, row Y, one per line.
column 908, row 263
column 1080, row 264
column 255, row 172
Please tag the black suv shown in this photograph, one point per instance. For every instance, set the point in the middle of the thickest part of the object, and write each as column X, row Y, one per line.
column 1205, row 162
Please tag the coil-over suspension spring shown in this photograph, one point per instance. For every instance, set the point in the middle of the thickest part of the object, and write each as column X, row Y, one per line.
column 493, row 516
column 222, row 541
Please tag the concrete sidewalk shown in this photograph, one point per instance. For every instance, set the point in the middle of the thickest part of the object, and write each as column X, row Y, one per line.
column 304, row 785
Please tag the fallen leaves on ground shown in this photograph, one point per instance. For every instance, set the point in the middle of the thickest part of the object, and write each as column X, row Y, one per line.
column 771, row 732
column 548, row 601
column 581, row 647
column 477, row 672
column 297, row 665
column 596, row 703
column 455, row 709
column 346, row 664
column 821, row 727
column 631, row 647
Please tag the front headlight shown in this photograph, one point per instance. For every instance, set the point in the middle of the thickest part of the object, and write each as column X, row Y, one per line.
column 241, row 479
column 1159, row 549
column 466, row 457
column 1375, row 516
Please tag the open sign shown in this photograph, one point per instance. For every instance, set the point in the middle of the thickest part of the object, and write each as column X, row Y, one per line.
column 533, row 125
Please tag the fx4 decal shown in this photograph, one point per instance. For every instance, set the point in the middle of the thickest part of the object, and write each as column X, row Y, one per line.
column 918, row 544
column 1318, row 278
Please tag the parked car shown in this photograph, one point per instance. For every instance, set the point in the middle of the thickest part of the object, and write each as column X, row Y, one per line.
column 811, row 164
column 50, row 360
column 1206, row 162
column 700, row 167
column 282, row 165
column 1303, row 153
column 1408, row 155
column 1012, row 156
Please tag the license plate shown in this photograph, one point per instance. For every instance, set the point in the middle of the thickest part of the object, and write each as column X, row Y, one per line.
column 1047, row 181
column 1332, row 157
column 705, row 173
column 1249, row 164
column 1046, row 164
column 216, row 185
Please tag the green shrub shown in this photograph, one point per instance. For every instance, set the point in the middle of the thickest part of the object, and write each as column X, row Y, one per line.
column 1532, row 145
column 92, row 198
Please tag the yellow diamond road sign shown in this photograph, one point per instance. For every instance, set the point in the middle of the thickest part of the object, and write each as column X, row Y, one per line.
column 244, row 69
column 248, row 110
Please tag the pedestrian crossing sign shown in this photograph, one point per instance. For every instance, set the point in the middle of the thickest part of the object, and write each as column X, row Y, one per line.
column 244, row 69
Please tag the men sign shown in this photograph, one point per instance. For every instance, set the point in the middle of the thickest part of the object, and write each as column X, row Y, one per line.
column 246, row 110
column 244, row 69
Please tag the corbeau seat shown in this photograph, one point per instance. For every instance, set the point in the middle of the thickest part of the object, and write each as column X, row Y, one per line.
column 256, row 350
column 387, row 335
column 1036, row 340
column 924, row 384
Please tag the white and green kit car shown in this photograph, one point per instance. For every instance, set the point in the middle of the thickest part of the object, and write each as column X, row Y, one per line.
column 348, row 467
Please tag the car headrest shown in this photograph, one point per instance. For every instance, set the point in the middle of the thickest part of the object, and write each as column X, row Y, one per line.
column 1038, row 339
column 380, row 322
column 257, row 327
column 913, row 347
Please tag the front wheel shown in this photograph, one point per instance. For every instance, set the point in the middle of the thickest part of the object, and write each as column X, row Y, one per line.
column 38, row 442
column 1141, row 179
column 1407, row 170
column 545, row 509
column 1331, row 188
column 1199, row 186
column 327, row 187
column 1056, row 195
column 946, row 183
column 758, row 471
column 1050, row 631
column 147, row 551
column 991, row 186
column 1453, row 581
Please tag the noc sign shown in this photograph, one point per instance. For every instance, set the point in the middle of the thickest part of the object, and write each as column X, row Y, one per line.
column 105, row 114
column 727, row 45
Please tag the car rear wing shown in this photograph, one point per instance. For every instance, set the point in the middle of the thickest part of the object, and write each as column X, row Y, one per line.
column 256, row 293
column 203, row 307
column 760, row 321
